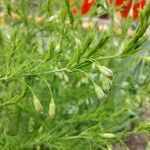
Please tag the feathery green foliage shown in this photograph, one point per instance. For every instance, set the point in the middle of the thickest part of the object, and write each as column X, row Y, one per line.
column 56, row 89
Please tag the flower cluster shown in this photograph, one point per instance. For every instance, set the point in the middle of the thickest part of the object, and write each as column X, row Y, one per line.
column 124, row 7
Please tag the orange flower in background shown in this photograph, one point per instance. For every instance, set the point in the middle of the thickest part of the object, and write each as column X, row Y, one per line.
column 128, row 5
column 124, row 5
column 86, row 6
column 74, row 11
column 73, row 7
column 136, row 8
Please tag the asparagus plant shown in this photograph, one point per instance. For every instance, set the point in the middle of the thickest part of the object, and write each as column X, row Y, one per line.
column 66, row 87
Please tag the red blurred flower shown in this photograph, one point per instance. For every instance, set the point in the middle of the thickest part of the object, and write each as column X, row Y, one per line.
column 126, row 8
column 86, row 6
column 126, row 5
column 136, row 8
column 74, row 11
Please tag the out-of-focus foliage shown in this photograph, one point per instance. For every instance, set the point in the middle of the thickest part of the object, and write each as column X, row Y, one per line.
column 56, row 91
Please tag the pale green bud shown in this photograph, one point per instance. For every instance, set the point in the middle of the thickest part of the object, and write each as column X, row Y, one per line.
column 147, row 59
column 38, row 147
column 40, row 129
column 109, row 147
column 99, row 92
column 31, row 124
column 108, row 135
column 52, row 109
column 106, row 71
column 37, row 104
column 106, row 85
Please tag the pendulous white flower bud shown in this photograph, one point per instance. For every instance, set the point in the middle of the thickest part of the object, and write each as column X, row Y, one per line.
column 108, row 135
column 99, row 92
column 52, row 108
column 37, row 104
column 106, row 85
column 106, row 71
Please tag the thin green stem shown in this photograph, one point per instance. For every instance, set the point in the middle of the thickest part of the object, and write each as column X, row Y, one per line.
column 86, row 75
column 108, row 57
